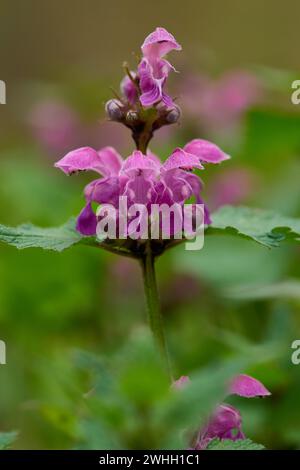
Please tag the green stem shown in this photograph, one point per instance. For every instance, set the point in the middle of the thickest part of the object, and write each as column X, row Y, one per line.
column 153, row 307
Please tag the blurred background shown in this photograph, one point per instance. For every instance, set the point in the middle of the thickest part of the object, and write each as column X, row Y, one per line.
column 59, row 60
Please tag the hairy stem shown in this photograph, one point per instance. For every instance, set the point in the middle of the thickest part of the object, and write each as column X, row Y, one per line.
column 153, row 307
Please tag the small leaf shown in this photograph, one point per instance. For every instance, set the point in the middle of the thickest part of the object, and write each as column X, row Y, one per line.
column 263, row 226
column 29, row 236
column 7, row 439
column 240, row 444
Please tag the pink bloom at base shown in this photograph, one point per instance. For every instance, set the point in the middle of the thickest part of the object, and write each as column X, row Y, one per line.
column 226, row 421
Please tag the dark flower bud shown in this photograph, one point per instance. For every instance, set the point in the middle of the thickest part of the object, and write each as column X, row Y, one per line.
column 173, row 115
column 114, row 110
column 132, row 117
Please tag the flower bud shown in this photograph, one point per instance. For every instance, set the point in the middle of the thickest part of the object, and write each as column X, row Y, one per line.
column 114, row 110
column 173, row 115
column 132, row 117
column 129, row 89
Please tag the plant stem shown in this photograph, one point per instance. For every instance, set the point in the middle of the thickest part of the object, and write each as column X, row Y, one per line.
column 153, row 307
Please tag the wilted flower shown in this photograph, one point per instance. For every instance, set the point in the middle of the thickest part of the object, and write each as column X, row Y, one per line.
column 143, row 179
column 226, row 421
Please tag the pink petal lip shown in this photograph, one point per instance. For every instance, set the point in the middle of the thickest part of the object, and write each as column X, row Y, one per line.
column 106, row 161
column 137, row 163
column 181, row 159
column 111, row 161
column 248, row 387
column 159, row 43
column 82, row 159
column 206, row 151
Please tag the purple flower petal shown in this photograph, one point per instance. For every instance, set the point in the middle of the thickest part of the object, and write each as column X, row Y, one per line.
column 182, row 159
column 159, row 43
column 128, row 88
column 151, row 87
column 154, row 157
column 167, row 100
column 206, row 151
column 246, row 386
column 137, row 164
column 87, row 221
column 179, row 187
column 106, row 191
column 226, row 423
column 82, row 159
column 110, row 161
column 138, row 190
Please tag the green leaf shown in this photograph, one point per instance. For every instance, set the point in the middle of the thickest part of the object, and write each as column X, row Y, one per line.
column 29, row 236
column 55, row 238
column 263, row 226
column 287, row 289
column 240, row 444
column 7, row 439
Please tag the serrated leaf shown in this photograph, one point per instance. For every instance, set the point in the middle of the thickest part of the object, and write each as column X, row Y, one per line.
column 263, row 226
column 240, row 444
column 54, row 238
column 30, row 236
column 7, row 439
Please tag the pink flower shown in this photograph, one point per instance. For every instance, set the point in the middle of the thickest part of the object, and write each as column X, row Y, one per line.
column 143, row 179
column 220, row 104
column 159, row 43
column 232, row 187
column 153, row 71
column 54, row 124
column 246, row 386
column 226, row 421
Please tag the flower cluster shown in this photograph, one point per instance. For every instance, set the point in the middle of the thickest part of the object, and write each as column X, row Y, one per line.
column 226, row 421
column 145, row 88
column 143, row 179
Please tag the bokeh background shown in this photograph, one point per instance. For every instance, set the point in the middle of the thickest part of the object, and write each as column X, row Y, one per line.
column 59, row 60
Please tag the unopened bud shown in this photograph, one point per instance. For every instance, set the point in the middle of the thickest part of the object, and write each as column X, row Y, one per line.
column 114, row 110
column 173, row 115
column 129, row 88
column 132, row 117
